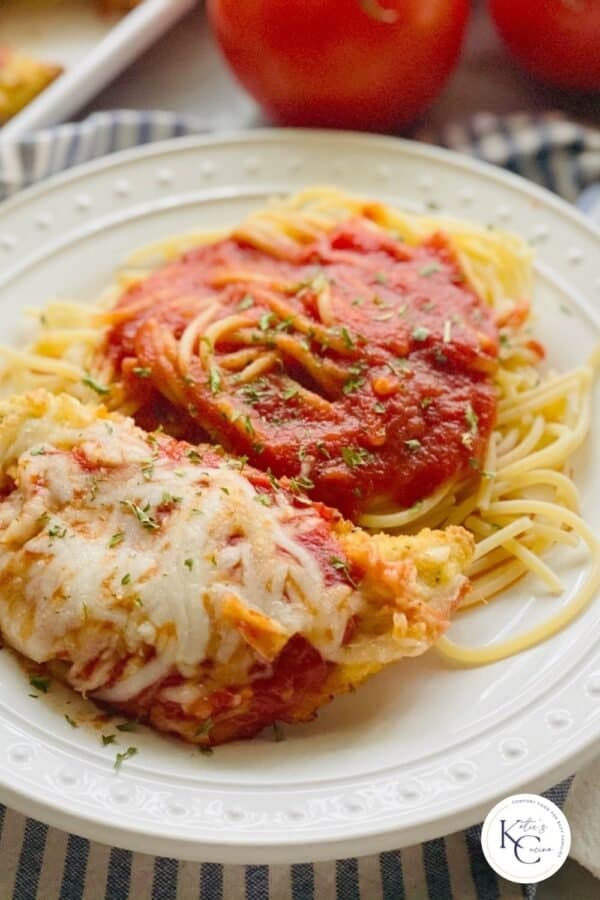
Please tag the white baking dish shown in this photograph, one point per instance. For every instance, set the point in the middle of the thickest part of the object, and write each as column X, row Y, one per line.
column 93, row 49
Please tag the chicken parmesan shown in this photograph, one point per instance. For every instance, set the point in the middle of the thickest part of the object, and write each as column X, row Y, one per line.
column 381, row 362
column 176, row 584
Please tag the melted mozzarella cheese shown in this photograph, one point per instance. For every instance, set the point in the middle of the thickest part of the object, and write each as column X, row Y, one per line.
column 116, row 551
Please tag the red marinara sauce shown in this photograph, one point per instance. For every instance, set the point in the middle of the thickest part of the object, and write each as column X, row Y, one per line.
column 379, row 361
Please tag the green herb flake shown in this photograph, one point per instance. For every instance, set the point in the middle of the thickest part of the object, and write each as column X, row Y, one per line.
column 264, row 323
column 138, row 602
column 429, row 269
column 346, row 337
column 265, row 499
column 355, row 456
column 474, row 463
column 122, row 757
column 91, row 382
column 71, row 721
column 108, row 739
column 116, row 539
column 278, row 734
column 380, row 278
column 57, row 532
column 189, row 563
column 379, row 408
column 205, row 728
column 141, row 515
column 341, row 565
column 289, row 393
column 426, row 401
column 142, row 372
column 471, row 418
column 214, row 381
column 420, row 334
column 147, row 470
column 206, row 751
column 353, row 384
column 413, row 445
column 126, row 579
column 301, row 483
column 40, row 683
column 130, row 725
column 565, row 309
column 246, row 302
column 39, row 452
column 194, row 457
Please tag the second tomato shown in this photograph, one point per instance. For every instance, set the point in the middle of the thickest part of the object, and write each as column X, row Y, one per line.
column 366, row 64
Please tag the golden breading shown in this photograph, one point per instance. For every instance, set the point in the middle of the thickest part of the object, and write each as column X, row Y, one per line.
column 21, row 79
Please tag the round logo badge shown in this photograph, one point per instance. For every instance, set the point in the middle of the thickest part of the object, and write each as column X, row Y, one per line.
column 526, row 838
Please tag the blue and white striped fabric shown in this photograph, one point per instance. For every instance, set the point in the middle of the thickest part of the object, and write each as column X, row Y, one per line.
column 42, row 863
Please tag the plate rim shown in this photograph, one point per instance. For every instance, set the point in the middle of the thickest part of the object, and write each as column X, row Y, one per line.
column 369, row 840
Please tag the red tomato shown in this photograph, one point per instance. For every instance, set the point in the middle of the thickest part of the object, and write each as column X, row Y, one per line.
column 367, row 64
column 556, row 40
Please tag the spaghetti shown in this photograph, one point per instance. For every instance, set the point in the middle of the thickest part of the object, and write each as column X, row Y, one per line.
column 380, row 361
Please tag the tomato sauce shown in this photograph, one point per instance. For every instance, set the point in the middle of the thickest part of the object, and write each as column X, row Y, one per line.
column 380, row 386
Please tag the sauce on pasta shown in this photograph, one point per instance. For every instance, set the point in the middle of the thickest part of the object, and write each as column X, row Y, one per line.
column 356, row 365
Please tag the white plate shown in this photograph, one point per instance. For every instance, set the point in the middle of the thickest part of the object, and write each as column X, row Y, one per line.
column 422, row 749
column 92, row 48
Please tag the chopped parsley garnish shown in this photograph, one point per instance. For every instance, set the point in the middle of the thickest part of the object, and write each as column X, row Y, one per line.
column 429, row 269
column 39, row 452
column 206, row 751
column 214, row 381
column 264, row 323
column 205, row 728
column 319, row 283
column 141, row 515
column 353, row 383
column 439, row 356
column 189, row 563
column 148, row 470
column 413, row 445
column 126, row 579
column 341, row 565
column 71, row 721
column 278, row 732
column 358, row 301
column 225, row 490
column 346, row 337
column 122, row 757
column 117, row 538
column 380, row 278
column 142, row 371
column 379, row 408
column 301, row 483
column 265, row 499
column 138, row 601
column 504, row 339
column 57, row 532
column 565, row 309
column 169, row 500
column 355, row 456
column 127, row 726
column 431, row 204
column 246, row 302
column 108, row 739
column 289, row 393
column 40, row 683
column 426, row 401
column 91, row 382
column 248, row 426
column 194, row 456
column 471, row 418
column 43, row 519
column 420, row 334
